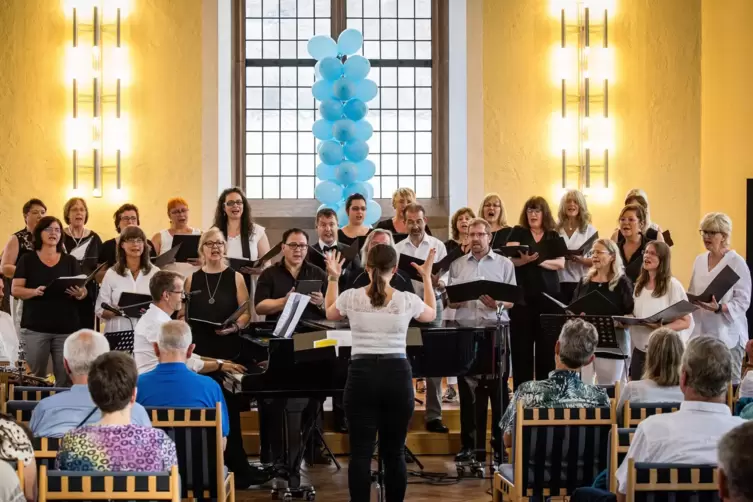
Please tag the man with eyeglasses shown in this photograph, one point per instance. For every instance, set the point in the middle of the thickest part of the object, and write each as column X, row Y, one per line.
column 167, row 293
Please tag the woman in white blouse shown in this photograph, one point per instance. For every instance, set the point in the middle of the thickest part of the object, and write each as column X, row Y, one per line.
column 722, row 317
column 661, row 375
column 379, row 390
column 177, row 212
column 655, row 290
column 131, row 274
column 574, row 225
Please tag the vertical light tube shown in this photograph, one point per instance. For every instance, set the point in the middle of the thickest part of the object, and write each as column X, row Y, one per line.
column 564, row 97
column 75, row 103
column 97, row 112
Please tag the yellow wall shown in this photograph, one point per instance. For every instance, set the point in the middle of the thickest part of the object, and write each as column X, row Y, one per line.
column 163, row 101
column 655, row 101
column 726, row 160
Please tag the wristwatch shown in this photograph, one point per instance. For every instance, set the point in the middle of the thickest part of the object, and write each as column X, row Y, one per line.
column 220, row 362
column 719, row 309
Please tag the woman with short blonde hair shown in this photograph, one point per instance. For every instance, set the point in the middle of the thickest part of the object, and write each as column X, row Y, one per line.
column 401, row 198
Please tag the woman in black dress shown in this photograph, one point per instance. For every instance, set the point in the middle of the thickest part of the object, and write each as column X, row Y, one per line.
column 84, row 245
column 222, row 291
column 530, row 347
column 355, row 207
column 631, row 241
column 400, row 200
column 459, row 230
column 492, row 209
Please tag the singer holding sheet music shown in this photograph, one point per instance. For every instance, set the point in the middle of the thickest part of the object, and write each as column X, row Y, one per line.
column 126, row 215
column 530, row 349
column 131, row 274
column 400, row 199
column 574, row 225
column 459, row 230
column 177, row 213
column 493, row 210
column 379, row 390
column 220, row 291
column 83, row 244
column 631, row 241
column 655, row 290
column 355, row 208
column 48, row 317
column 723, row 317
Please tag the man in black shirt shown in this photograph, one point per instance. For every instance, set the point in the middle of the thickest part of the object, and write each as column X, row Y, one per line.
column 278, row 281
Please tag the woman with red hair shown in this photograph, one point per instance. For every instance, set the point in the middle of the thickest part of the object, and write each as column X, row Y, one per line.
column 177, row 212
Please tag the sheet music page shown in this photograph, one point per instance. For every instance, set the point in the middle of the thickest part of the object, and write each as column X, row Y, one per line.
column 79, row 252
column 291, row 314
column 344, row 338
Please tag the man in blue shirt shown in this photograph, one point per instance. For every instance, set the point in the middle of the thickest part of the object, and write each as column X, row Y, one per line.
column 56, row 415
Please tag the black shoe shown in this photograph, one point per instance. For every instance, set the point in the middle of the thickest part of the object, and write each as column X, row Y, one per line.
column 436, row 425
column 318, row 458
column 465, row 455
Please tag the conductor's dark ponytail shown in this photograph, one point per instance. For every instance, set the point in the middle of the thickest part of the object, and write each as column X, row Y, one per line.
column 380, row 260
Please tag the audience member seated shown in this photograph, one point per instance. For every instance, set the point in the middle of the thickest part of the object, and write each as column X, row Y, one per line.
column 564, row 388
column 661, row 375
column 15, row 445
column 57, row 414
column 10, row 487
column 736, row 465
column 114, row 443
column 746, row 384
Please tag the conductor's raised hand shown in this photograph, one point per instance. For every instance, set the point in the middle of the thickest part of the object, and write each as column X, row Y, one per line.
column 425, row 269
column 334, row 262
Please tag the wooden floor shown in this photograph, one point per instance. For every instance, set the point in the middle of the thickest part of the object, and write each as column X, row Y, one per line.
column 332, row 485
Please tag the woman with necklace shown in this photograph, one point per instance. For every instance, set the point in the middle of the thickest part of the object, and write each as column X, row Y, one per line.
column 177, row 212
column 606, row 276
column 722, row 317
column 84, row 245
column 575, row 227
column 220, row 292
column 131, row 274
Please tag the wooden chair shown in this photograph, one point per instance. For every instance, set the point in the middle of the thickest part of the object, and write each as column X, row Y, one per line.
column 556, row 450
column 45, row 451
column 635, row 413
column 21, row 410
column 618, row 448
column 675, row 482
column 24, row 393
column 732, row 396
column 613, row 391
column 20, row 472
column 91, row 485
column 197, row 433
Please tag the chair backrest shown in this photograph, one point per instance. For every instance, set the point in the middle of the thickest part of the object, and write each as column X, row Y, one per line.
column 21, row 410
column 45, row 451
column 732, row 395
column 24, row 393
column 635, row 413
column 197, row 433
column 618, row 448
column 671, row 482
column 557, row 450
column 92, row 485
column 613, row 392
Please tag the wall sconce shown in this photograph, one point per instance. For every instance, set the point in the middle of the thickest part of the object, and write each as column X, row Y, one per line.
column 583, row 67
column 97, row 69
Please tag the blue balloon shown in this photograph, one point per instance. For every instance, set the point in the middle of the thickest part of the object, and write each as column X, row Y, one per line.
column 322, row 129
column 331, row 109
column 349, row 41
column 364, row 130
column 366, row 90
column 327, row 206
column 373, row 212
column 366, row 170
column 343, row 89
column 356, row 151
column 317, row 71
column 331, row 152
column 322, row 90
column 355, row 109
column 346, row 173
column 356, row 68
column 326, row 172
column 321, row 46
column 328, row 192
column 364, row 189
column 344, row 130
column 342, row 215
column 331, row 68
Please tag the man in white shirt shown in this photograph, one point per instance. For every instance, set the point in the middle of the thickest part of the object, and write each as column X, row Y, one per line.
column 736, row 464
column 418, row 244
column 167, row 293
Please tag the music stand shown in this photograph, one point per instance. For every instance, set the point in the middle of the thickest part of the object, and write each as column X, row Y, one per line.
column 121, row 341
column 604, row 324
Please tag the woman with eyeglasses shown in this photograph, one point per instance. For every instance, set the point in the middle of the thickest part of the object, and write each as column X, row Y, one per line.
column 131, row 274
column 655, row 290
column 401, row 198
column 220, row 291
column 574, row 225
column 723, row 317
column 126, row 215
column 606, row 276
column 84, row 245
column 177, row 213
column 47, row 319
column 493, row 210
column 632, row 242
column 531, row 348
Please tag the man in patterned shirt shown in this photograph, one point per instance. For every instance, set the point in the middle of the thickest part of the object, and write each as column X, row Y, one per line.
column 564, row 388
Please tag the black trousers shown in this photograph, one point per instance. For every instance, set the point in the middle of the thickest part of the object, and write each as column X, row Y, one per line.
column 531, row 350
column 272, row 415
column 378, row 399
column 475, row 394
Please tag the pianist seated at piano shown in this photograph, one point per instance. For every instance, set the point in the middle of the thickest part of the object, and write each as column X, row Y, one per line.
column 131, row 274
column 218, row 292
column 358, row 277
column 167, row 293
column 278, row 281
column 379, row 390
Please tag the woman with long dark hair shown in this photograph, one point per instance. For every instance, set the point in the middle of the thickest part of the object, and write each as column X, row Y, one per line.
column 379, row 391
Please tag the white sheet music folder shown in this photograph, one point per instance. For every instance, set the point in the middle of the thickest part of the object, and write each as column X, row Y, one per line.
column 291, row 314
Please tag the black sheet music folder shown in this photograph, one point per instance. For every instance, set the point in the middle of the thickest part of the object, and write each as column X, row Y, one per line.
column 500, row 291
column 719, row 286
